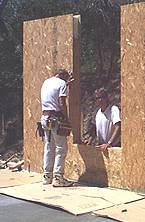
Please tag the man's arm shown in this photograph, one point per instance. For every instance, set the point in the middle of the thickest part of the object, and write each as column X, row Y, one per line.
column 63, row 106
column 115, row 134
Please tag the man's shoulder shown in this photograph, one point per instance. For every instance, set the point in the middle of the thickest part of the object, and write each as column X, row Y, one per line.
column 96, row 112
column 114, row 107
column 47, row 80
column 55, row 80
column 51, row 78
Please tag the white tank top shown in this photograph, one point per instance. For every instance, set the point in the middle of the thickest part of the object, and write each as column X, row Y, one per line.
column 105, row 122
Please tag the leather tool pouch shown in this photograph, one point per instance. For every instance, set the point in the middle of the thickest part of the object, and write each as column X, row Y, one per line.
column 63, row 129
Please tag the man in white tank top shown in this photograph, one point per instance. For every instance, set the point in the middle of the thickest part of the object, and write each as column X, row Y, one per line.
column 107, row 122
column 53, row 101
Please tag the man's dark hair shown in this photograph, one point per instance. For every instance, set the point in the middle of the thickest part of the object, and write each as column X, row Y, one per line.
column 102, row 92
column 63, row 74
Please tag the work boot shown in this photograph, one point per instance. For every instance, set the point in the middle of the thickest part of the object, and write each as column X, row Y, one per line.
column 47, row 179
column 60, row 181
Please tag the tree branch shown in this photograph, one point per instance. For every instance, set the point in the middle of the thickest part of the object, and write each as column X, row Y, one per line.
column 3, row 28
column 2, row 5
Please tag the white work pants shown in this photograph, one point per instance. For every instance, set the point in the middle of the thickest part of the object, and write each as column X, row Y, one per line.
column 55, row 150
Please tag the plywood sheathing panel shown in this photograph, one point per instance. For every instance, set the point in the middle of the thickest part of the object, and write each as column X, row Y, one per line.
column 129, row 212
column 43, row 42
column 40, row 62
column 76, row 200
column 10, row 179
column 74, row 95
column 48, row 45
column 133, row 95
column 88, row 164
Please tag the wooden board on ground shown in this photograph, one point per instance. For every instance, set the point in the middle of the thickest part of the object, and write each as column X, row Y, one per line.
column 131, row 212
column 76, row 200
column 9, row 178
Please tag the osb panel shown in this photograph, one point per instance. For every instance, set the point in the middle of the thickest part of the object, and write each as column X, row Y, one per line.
column 43, row 43
column 85, row 162
column 48, row 45
column 89, row 164
column 133, row 95
column 74, row 98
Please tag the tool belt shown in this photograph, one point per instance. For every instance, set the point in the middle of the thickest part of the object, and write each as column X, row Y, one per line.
column 49, row 113
column 55, row 120
column 63, row 128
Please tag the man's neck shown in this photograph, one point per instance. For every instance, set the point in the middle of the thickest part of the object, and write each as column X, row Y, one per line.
column 103, row 108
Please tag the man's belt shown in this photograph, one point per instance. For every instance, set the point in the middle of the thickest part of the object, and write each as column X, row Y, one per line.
column 49, row 112
column 52, row 113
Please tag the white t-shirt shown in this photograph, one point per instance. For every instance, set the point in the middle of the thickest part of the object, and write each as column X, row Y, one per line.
column 105, row 122
column 51, row 90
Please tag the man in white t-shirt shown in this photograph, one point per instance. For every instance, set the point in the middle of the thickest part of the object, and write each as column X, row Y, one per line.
column 53, row 101
column 107, row 123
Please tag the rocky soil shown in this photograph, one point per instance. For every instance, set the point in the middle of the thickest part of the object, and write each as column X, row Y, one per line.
column 11, row 154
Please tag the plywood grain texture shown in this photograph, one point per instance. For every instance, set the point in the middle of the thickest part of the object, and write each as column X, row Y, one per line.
column 74, row 98
column 52, row 43
column 133, row 95
column 88, row 164
column 48, row 45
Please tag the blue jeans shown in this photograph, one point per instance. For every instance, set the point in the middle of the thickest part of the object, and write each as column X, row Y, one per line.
column 55, row 150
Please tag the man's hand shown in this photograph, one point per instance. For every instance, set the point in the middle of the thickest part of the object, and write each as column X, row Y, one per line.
column 70, row 79
column 104, row 147
column 88, row 141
